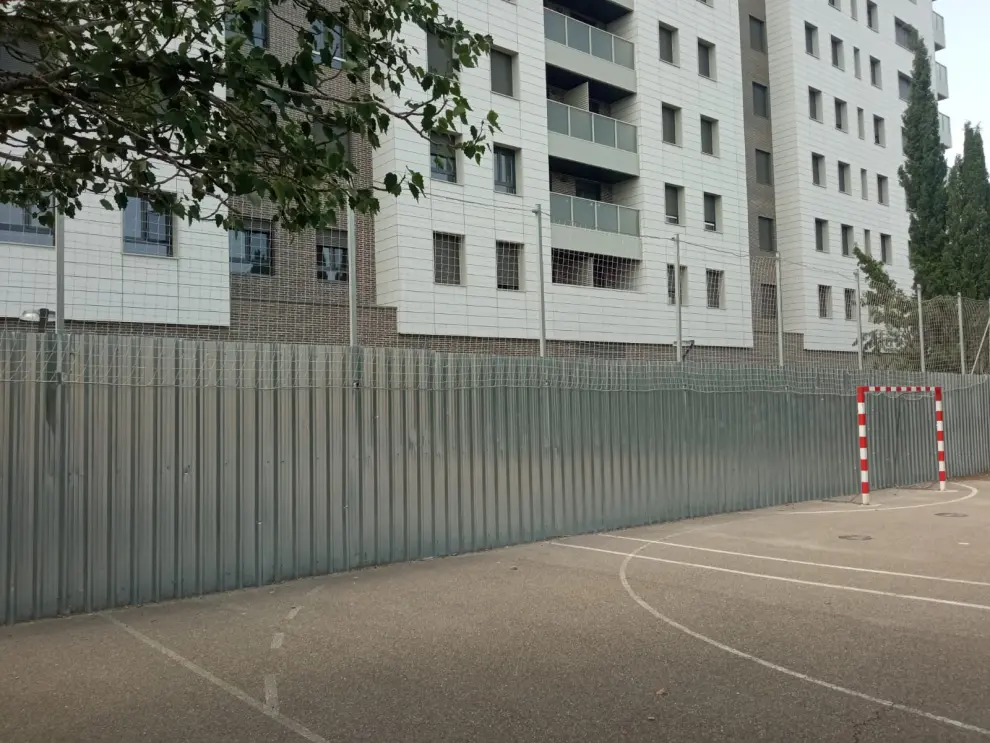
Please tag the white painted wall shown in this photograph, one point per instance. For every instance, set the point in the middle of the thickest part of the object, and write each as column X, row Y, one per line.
column 404, row 227
column 797, row 136
column 103, row 284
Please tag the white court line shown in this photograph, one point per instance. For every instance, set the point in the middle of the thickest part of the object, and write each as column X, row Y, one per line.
column 973, row 491
column 292, row 613
column 287, row 722
column 781, row 669
column 277, row 639
column 799, row 562
column 854, row 589
column 271, row 692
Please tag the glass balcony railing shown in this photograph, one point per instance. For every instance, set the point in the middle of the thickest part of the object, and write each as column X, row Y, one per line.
column 593, row 215
column 576, row 122
column 588, row 39
column 938, row 29
column 941, row 80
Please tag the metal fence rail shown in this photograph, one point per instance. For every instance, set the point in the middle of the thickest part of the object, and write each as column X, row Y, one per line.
column 193, row 479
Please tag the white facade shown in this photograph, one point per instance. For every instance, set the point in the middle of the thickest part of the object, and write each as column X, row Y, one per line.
column 797, row 136
column 472, row 209
column 103, row 283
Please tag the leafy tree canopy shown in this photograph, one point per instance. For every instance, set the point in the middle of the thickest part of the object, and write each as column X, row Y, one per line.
column 121, row 97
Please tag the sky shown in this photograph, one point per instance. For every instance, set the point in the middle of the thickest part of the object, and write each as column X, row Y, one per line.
column 967, row 56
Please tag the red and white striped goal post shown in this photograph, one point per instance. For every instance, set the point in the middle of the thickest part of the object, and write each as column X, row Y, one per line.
column 864, row 465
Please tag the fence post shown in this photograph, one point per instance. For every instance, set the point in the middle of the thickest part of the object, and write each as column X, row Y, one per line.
column 921, row 328
column 677, row 295
column 859, row 324
column 538, row 211
column 962, row 335
column 352, row 294
column 780, row 316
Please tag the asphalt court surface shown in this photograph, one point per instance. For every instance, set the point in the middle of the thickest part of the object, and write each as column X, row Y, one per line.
column 824, row 621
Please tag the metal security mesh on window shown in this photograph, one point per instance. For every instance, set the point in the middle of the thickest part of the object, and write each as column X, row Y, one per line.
column 850, row 302
column 251, row 249
column 331, row 255
column 18, row 225
column 672, row 288
column 502, row 81
column 443, row 158
column 714, row 288
column 504, row 161
column 824, row 301
column 507, row 270
column 146, row 232
column 447, row 258
column 768, row 301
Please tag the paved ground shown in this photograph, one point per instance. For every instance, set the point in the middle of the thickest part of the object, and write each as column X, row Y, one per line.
column 767, row 625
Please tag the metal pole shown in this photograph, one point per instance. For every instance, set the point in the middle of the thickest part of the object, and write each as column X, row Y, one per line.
column 859, row 324
column 921, row 327
column 780, row 317
column 677, row 294
column 352, row 291
column 962, row 335
column 61, row 407
column 538, row 211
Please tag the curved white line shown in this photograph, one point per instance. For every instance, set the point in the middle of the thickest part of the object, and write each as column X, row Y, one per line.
column 973, row 491
column 781, row 669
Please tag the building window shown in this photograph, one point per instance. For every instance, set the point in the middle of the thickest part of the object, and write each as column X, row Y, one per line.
column 867, row 242
column 876, row 75
column 811, row 39
column 328, row 39
column 882, row 195
column 443, row 158
column 905, row 34
column 817, row 169
column 259, row 27
column 861, row 122
column 715, row 289
column 857, row 63
column 713, row 209
column 585, row 189
column 768, row 234
column 885, row 256
column 251, row 249
column 505, row 169
column 764, row 168
column 761, row 100
column 331, row 255
column 841, row 116
column 569, row 268
column 439, row 56
column 768, row 301
column 671, row 124
column 872, row 15
column 18, row 225
column 672, row 288
column 668, row 44
column 821, row 236
column 709, row 136
column 447, row 258
column 146, row 231
column 502, row 76
column 757, row 35
column 706, row 59
column 864, row 183
column 508, row 262
column 835, row 4
column 673, row 196
column 613, row 273
column 838, row 53
column 844, row 173
column 903, row 86
column 824, row 302
column 879, row 131
column 815, row 104
column 847, row 240
column 854, row 9
column 850, row 304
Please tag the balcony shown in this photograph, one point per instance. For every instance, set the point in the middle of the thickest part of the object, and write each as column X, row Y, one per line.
column 938, row 31
column 941, row 81
column 605, row 11
column 582, row 52
column 945, row 130
column 594, row 227
column 603, row 145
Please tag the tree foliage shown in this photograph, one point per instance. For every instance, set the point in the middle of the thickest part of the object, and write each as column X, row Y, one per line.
column 968, row 219
column 124, row 97
column 923, row 176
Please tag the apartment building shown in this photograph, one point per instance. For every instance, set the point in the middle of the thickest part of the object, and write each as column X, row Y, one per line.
column 721, row 130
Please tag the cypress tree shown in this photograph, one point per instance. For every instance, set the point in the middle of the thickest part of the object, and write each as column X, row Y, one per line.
column 968, row 218
column 922, row 176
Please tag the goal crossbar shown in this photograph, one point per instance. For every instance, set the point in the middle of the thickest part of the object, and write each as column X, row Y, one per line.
column 864, row 462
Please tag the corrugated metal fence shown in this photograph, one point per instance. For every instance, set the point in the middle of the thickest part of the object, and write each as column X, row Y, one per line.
column 187, row 467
